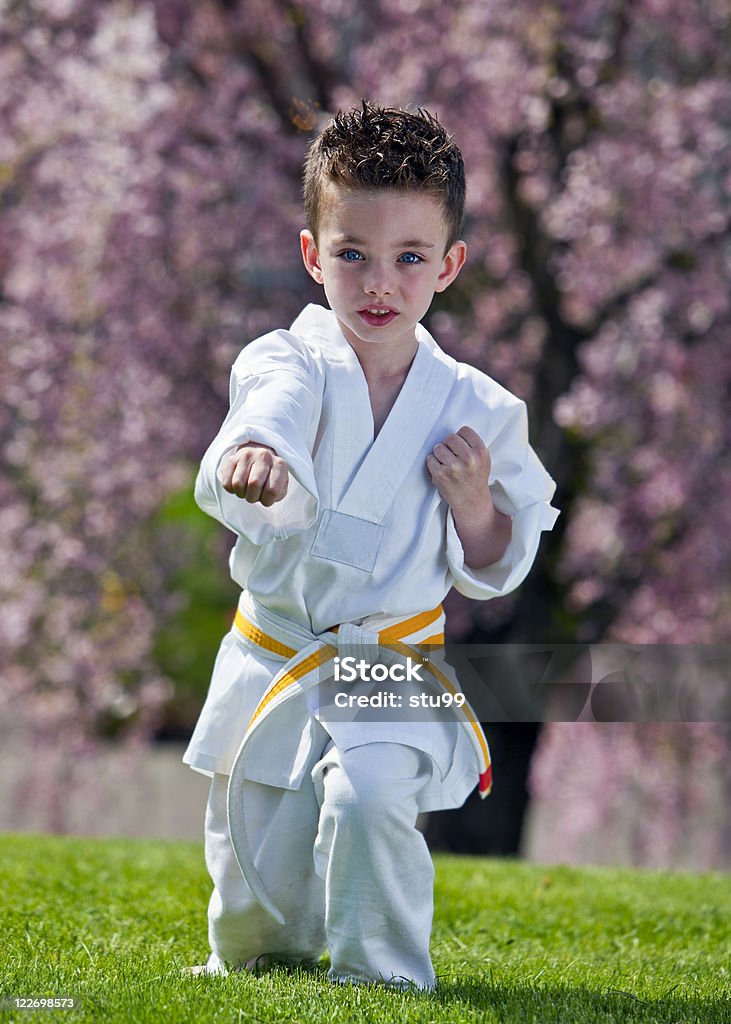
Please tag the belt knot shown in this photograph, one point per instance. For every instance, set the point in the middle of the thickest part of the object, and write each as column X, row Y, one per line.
column 357, row 642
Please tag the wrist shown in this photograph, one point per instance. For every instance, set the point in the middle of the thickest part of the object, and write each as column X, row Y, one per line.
column 480, row 504
column 483, row 531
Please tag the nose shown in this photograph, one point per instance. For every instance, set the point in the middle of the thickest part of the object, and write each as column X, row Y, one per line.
column 379, row 280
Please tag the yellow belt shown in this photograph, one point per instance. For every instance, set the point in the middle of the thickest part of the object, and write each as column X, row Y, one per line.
column 392, row 637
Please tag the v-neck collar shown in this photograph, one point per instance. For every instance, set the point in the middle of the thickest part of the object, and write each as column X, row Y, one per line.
column 366, row 471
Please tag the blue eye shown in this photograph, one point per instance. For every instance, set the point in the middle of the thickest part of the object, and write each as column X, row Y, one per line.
column 412, row 258
column 351, row 255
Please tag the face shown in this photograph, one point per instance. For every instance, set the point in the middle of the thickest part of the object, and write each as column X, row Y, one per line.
column 380, row 259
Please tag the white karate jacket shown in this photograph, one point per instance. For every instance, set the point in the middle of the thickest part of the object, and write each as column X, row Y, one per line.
column 362, row 530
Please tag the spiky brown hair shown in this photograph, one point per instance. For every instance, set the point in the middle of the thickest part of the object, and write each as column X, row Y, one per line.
column 374, row 147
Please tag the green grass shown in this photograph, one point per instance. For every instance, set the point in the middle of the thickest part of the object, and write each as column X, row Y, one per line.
column 111, row 922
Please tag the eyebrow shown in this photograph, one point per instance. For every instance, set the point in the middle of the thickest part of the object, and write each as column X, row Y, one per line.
column 409, row 243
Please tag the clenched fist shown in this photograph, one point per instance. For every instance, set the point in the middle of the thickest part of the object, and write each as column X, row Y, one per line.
column 256, row 473
column 459, row 467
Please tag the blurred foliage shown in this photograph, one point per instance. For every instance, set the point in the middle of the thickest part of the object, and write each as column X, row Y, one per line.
column 150, row 160
column 186, row 644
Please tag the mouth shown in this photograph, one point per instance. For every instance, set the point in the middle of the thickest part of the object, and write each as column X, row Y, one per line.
column 377, row 316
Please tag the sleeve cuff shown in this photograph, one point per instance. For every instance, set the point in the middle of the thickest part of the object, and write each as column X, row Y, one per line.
column 295, row 513
column 501, row 577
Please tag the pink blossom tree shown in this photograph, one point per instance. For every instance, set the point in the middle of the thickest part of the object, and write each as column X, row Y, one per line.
column 150, row 159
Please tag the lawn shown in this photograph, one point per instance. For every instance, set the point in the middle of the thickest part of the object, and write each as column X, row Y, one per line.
column 110, row 923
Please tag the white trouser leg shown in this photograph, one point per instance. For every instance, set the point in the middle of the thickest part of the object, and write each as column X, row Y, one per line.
column 378, row 873
column 281, row 826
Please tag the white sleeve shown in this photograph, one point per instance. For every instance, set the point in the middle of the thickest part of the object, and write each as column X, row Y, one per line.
column 521, row 488
column 275, row 400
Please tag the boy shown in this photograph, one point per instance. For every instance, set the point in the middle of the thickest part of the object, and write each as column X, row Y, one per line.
column 353, row 467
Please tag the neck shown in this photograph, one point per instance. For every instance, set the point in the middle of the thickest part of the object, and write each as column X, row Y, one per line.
column 385, row 368
column 382, row 362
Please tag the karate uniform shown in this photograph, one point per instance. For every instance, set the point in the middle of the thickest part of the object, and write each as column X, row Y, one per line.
column 364, row 539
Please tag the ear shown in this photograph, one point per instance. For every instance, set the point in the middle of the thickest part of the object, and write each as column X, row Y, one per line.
column 310, row 255
column 451, row 265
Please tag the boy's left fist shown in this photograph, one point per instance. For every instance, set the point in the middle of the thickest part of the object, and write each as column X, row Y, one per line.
column 459, row 467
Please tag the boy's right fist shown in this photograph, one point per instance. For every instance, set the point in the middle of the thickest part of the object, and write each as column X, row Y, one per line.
column 256, row 473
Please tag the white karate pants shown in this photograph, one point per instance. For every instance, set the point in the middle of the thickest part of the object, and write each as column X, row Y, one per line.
column 342, row 859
